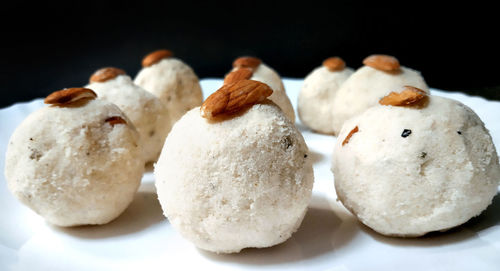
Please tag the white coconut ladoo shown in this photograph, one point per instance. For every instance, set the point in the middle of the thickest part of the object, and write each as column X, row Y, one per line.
column 75, row 162
column 149, row 116
column 365, row 87
column 415, row 164
column 237, row 175
column 316, row 98
column 265, row 74
column 171, row 80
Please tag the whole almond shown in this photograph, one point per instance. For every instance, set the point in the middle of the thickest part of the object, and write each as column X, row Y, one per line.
column 69, row 95
column 115, row 120
column 348, row 137
column 334, row 64
column 247, row 62
column 234, row 97
column 155, row 57
column 382, row 62
column 408, row 96
column 105, row 74
column 237, row 75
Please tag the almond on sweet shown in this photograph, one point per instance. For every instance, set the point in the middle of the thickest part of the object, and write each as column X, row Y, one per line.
column 348, row 137
column 115, row 120
column 382, row 62
column 234, row 97
column 69, row 95
column 105, row 74
column 155, row 57
column 408, row 96
column 247, row 62
column 334, row 64
column 237, row 75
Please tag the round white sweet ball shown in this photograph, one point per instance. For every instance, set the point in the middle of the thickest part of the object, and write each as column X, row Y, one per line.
column 408, row 171
column 366, row 87
column 149, row 116
column 315, row 101
column 238, row 183
column 73, row 167
column 174, row 82
column 265, row 74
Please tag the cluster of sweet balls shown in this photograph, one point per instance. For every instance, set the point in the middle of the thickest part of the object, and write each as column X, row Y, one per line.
column 233, row 171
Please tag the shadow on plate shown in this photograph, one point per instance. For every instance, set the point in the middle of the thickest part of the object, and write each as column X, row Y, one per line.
column 489, row 218
column 321, row 233
column 149, row 167
column 144, row 211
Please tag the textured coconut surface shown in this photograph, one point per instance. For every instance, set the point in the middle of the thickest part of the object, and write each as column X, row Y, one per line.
column 329, row 238
column 72, row 167
column 238, row 183
column 409, row 171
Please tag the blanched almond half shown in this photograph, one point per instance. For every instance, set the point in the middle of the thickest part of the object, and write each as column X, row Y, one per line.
column 105, row 74
column 69, row 95
column 155, row 57
column 237, row 75
column 382, row 62
column 234, row 97
column 334, row 64
column 408, row 96
column 247, row 62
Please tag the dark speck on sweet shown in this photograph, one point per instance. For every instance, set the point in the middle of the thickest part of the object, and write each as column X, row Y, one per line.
column 35, row 154
column 31, row 138
column 286, row 142
column 406, row 132
column 423, row 155
column 152, row 133
column 459, row 132
column 305, row 155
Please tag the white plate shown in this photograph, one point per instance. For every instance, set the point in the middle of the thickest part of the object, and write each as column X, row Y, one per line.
column 330, row 238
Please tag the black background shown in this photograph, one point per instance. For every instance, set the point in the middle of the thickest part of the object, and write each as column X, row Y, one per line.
column 49, row 47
